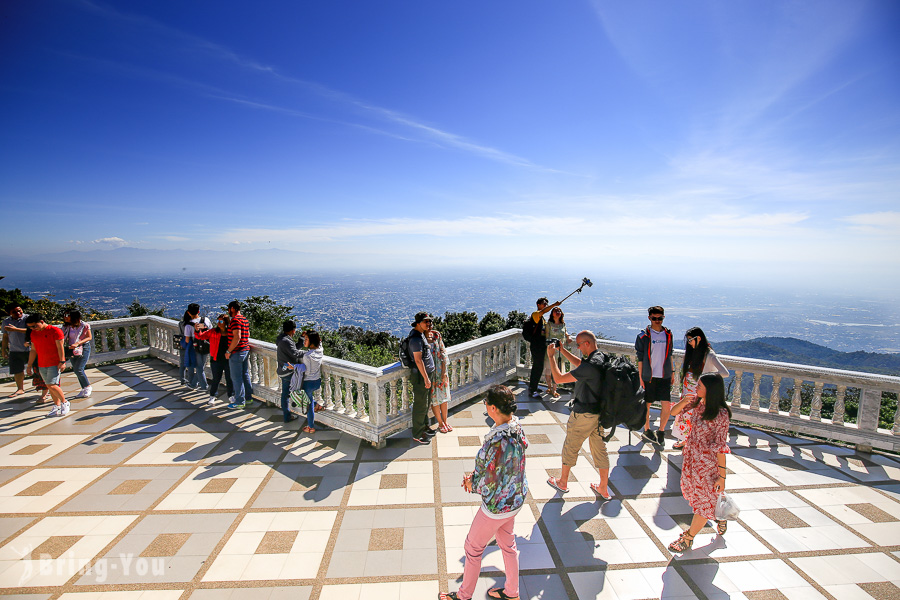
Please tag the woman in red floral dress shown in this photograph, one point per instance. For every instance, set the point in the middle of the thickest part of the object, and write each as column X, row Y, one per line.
column 703, row 470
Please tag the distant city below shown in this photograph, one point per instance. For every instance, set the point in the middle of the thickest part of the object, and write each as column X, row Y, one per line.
column 616, row 309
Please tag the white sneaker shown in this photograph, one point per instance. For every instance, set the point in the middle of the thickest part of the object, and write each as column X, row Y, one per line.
column 65, row 408
column 231, row 399
column 212, row 400
column 81, row 394
column 87, row 391
column 55, row 411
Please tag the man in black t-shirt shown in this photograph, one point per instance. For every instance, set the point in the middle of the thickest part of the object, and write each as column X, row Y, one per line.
column 422, row 372
column 584, row 419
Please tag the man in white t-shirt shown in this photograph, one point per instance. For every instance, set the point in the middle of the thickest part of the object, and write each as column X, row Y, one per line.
column 654, row 355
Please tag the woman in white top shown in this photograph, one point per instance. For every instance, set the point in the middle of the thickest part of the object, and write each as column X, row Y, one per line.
column 699, row 359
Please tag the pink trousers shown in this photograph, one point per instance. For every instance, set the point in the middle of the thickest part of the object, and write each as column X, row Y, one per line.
column 483, row 529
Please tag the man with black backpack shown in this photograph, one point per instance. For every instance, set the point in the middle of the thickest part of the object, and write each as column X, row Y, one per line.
column 584, row 418
column 422, row 365
column 533, row 332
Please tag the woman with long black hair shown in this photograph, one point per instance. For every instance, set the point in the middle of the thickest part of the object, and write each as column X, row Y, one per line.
column 703, row 468
column 699, row 358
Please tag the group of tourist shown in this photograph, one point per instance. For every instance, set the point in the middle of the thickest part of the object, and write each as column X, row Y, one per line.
column 702, row 415
column 29, row 339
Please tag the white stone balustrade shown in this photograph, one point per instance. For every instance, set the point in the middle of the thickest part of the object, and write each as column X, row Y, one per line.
column 374, row 403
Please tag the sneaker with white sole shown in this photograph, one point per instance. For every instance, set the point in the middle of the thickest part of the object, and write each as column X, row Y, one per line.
column 230, row 399
column 81, row 394
column 88, row 391
column 65, row 408
column 212, row 400
column 55, row 411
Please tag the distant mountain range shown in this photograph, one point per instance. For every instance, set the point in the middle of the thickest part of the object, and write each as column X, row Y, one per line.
column 792, row 350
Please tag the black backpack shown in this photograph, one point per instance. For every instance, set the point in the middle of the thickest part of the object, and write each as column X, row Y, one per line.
column 406, row 358
column 622, row 397
column 531, row 331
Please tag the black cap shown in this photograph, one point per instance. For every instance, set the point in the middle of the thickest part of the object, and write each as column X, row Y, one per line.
column 420, row 316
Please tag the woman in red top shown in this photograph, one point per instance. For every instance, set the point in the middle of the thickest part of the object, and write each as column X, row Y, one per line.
column 703, row 469
column 218, row 345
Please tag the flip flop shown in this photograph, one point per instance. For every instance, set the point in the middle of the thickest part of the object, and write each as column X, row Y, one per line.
column 553, row 482
column 448, row 596
column 595, row 487
column 500, row 594
column 16, row 394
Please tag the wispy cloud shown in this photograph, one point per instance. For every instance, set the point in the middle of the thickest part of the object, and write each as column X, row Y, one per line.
column 875, row 223
column 415, row 130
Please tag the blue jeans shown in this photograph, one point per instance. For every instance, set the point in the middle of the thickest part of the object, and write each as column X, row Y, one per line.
column 309, row 387
column 79, row 363
column 239, row 364
column 196, row 375
column 285, row 394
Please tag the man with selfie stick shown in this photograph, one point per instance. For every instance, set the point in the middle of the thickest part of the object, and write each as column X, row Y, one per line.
column 538, row 343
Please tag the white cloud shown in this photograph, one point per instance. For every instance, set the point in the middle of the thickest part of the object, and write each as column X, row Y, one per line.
column 875, row 223
column 112, row 242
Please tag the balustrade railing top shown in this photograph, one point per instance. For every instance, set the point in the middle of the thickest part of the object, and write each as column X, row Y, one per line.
column 373, row 403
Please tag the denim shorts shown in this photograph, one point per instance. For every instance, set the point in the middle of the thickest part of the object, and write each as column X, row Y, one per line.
column 50, row 375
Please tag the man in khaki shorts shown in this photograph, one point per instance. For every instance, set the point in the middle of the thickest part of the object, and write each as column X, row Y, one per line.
column 584, row 418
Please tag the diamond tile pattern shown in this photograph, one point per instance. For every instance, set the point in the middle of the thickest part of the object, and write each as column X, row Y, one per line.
column 144, row 492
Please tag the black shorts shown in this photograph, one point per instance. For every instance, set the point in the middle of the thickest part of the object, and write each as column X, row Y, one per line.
column 658, row 389
column 17, row 362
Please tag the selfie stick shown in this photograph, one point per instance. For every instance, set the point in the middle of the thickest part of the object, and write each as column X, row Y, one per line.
column 584, row 282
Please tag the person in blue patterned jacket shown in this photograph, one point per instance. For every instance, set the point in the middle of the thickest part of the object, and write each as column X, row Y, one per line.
column 499, row 478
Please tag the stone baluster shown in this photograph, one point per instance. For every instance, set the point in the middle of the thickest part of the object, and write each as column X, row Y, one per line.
column 838, row 417
column 736, row 385
column 117, row 343
column 404, row 395
column 797, row 398
column 454, row 373
column 754, row 395
column 896, row 429
column 326, row 389
column 775, row 399
column 528, row 356
column 364, row 389
column 869, row 409
column 815, row 413
column 349, row 400
column 128, row 339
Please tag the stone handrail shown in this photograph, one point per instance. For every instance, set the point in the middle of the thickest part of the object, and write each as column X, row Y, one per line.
column 759, row 410
column 374, row 403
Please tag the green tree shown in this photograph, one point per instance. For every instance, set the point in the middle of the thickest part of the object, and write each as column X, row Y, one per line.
column 138, row 309
column 265, row 316
column 491, row 323
column 515, row 319
column 457, row 327
column 8, row 297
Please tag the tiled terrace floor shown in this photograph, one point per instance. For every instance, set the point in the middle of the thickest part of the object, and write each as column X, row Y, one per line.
column 144, row 492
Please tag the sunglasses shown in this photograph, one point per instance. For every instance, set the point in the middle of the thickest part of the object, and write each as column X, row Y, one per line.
column 657, row 318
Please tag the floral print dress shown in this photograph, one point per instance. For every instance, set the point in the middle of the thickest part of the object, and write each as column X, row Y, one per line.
column 499, row 474
column 440, row 385
column 699, row 471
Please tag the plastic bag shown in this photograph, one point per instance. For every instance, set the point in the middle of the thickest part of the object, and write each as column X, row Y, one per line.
column 300, row 399
column 726, row 508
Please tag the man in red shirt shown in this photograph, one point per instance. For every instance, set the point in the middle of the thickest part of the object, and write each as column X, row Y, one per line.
column 47, row 348
column 238, row 355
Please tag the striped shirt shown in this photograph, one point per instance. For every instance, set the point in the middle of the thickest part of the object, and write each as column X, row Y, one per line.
column 239, row 326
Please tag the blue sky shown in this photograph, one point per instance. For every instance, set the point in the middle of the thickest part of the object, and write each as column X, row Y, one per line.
column 754, row 141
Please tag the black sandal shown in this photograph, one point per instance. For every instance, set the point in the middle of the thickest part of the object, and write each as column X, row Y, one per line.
column 683, row 543
column 721, row 527
column 500, row 594
column 448, row 596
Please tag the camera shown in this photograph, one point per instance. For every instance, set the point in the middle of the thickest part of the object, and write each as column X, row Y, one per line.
column 553, row 342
